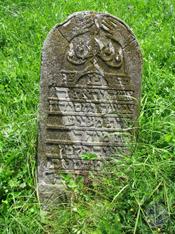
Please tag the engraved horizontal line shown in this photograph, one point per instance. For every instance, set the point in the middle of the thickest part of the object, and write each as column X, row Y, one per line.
column 95, row 101
column 91, row 167
column 120, row 102
column 57, row 127
column 80, row 172
column 55, row 156
column 129, row 115
column 77, row 159
column 74, row 170
column 128, row 89
column 59, row 113
column 96, row 72
column 83, row 143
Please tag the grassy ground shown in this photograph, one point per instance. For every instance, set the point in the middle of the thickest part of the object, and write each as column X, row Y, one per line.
column 139, row 195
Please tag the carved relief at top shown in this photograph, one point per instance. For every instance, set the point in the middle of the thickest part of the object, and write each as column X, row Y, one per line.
column 110, row 53
column 81, row 51
column 96, row 46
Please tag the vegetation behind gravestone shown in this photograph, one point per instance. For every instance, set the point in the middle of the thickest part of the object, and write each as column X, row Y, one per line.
column 137, row 196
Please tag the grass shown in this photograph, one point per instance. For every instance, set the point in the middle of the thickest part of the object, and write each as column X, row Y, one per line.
column 139, row 195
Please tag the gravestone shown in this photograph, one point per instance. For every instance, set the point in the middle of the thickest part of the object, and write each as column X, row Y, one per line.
column 90, row 89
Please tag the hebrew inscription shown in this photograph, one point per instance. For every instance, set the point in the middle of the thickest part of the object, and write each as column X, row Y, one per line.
column 90, row 88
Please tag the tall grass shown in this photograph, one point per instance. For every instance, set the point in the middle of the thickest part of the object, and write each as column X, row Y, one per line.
column 138, row 196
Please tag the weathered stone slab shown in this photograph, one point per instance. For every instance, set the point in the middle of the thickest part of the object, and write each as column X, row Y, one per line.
column 90, row 89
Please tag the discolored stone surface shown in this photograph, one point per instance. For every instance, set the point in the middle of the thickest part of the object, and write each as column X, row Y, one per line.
column 90, row 89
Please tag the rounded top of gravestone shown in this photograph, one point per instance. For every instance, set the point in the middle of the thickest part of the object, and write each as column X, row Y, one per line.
column 95, row 41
